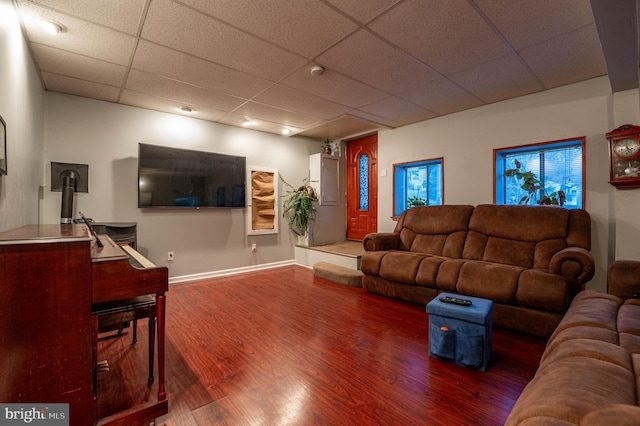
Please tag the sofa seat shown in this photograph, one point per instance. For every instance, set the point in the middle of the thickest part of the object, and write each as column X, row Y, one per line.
column 529, row 260
column 589, row 373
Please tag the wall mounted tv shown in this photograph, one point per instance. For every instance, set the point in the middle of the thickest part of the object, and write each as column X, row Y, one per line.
column 182, row 178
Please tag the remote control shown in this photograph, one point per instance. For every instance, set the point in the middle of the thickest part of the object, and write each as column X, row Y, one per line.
column 455, row 300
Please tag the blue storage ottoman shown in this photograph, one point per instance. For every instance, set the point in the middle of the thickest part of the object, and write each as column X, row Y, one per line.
column 461, row 334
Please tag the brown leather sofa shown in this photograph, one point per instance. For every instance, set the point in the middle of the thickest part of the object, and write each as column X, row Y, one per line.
column 530, row 260
column 589, row 373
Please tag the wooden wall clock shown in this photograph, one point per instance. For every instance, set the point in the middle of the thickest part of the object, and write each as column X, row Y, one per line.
column 624, row 156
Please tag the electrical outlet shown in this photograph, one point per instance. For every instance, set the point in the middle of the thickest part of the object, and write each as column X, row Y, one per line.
column 170, row 255
column 254, row 247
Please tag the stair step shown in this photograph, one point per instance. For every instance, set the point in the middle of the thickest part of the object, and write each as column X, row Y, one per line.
column 338, row 274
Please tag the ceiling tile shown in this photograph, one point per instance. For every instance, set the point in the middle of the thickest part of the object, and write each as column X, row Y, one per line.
column 121, row 15
column 184, row 94
column 81, row 37
column 143, row 100
column 576, row 56
column 77, row 66
column 449, row 39
column 160, row 60
column 334, row 86
column 287, row 23
column 442, row 96
column 398, row 110
column 259, row 125
column 253, row 110
column 185, row 29
column 525, row 22
column 498, row 80
column 363, row 11
column 294, row 100
column 366, row 58
column 86, row 89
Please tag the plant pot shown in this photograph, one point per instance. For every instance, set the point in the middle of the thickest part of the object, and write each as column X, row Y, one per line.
column 326, row 150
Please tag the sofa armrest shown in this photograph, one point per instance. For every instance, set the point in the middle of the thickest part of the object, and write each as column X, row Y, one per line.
column 381, row 241
column 574, row 263
column 623, row 278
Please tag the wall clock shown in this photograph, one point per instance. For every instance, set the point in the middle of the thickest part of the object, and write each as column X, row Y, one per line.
column 624, row 156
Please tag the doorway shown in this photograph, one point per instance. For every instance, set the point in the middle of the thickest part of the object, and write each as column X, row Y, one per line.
column 362, row 186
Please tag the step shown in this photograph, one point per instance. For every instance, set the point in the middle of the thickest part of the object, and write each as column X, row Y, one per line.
column 338, row 274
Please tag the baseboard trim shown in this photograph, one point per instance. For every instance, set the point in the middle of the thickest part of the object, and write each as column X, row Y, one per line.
column 225, row 272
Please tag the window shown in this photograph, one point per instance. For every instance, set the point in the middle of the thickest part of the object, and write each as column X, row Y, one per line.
column 558, row 165
column 417, row 183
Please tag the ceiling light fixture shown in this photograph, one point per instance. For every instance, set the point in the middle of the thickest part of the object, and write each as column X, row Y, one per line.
column 286, row 131
column 317, row 70
column 186, row 109
column 51, row 27
column 247, row 123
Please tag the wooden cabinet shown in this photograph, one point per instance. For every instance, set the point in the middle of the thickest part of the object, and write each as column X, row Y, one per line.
column 45, row 326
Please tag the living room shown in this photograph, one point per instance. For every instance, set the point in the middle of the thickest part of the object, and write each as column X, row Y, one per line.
column 47, row 126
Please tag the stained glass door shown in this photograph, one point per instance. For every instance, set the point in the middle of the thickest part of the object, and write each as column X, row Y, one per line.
column 362, row 187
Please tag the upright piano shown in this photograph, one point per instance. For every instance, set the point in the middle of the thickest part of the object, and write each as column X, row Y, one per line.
column 50, row 275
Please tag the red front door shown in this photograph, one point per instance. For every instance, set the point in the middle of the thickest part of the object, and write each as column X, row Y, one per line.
column 362, row 187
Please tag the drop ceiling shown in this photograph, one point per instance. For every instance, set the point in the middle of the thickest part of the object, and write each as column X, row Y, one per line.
column 387, row 63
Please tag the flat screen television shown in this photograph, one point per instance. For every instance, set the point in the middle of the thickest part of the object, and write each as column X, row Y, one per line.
column 182, row 178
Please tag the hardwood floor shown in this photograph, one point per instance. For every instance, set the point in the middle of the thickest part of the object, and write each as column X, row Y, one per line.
column 280, row 347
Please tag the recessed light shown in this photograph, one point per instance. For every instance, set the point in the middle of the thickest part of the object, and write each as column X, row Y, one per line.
column 51, row 27
column 286, row 131
column 248, row 123
column 186, row 109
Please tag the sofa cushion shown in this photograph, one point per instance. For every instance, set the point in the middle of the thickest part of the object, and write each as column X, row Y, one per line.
column 580, row 332
column 441, row 229
column 571, row 389
column 401, row 267
column 591, row 308
column 587, row 348
column 489, row 280
column 428, row 271
column 448, row 274
column 629, row 325
column 371, row 261
column 539, row 289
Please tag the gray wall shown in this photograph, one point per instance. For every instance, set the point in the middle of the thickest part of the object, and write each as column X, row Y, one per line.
column 21, row 107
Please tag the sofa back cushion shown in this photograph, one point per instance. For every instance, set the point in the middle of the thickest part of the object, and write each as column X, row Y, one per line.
column 526, row 236
column 435, row 230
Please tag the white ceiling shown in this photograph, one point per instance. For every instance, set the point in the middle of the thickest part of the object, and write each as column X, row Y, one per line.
column 387, row 63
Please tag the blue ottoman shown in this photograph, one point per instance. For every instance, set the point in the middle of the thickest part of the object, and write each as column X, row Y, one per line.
column 461, row 334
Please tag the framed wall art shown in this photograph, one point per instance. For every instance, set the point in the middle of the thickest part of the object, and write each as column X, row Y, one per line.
column 3, row 147
column 262, row 200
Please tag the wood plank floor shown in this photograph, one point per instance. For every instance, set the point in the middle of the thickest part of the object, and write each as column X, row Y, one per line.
column 280, row 347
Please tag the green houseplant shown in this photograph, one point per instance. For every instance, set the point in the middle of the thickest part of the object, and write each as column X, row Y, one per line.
column 298, row 207
column 415, row 202
column 327, row 146
column 534, row 189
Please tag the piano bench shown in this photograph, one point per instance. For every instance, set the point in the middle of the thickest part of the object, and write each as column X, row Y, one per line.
column 116, row 315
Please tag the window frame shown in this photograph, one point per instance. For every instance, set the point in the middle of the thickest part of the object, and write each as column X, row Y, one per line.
column 405, row 165
column 499, row 152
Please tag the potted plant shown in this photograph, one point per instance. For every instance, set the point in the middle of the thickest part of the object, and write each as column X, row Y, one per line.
column 415, row 202
column 327, row 146
column 298, row 206
column 532, row 187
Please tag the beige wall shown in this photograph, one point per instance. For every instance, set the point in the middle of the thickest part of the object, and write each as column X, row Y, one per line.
column 466, row 141
column 21, row 107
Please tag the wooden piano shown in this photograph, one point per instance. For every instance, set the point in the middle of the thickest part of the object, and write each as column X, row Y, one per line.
column 50, row 275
